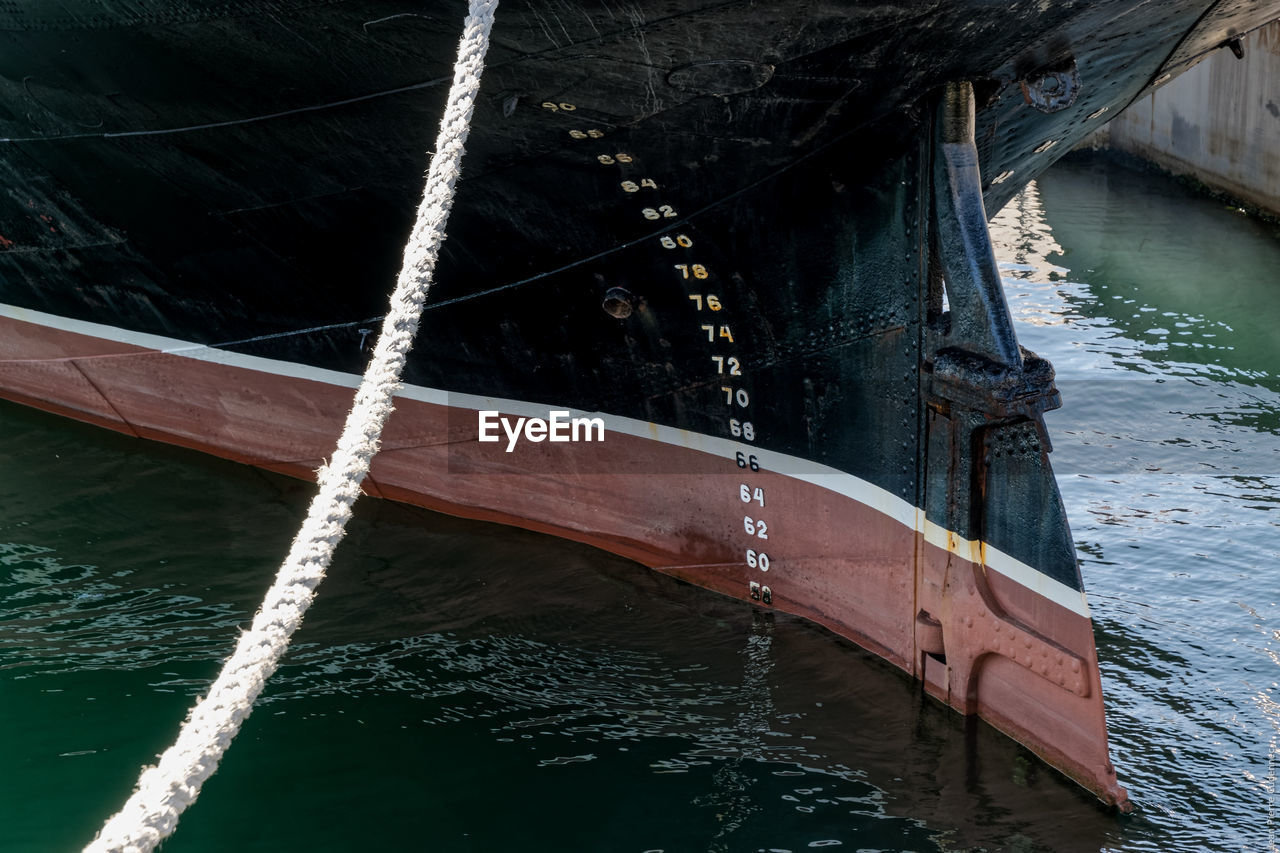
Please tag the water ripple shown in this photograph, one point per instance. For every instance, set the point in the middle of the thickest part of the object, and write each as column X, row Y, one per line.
column 64, row 618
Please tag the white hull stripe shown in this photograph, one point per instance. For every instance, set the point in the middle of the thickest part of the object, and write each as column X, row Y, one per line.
column 797, row 467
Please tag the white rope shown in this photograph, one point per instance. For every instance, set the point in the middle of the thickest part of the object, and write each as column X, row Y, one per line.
column 164, row 791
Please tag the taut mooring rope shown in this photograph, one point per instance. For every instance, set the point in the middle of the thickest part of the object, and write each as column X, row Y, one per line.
column 165, row 790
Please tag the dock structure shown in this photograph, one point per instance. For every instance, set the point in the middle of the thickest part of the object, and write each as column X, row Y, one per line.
column 1218, row 123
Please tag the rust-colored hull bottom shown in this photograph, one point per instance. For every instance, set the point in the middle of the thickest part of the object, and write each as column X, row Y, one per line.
column 1022, row 662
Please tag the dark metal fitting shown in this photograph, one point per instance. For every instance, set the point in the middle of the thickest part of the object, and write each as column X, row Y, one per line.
column 618, row 302
column 1000, row 392
column 1236, row 46
column 1053, row 89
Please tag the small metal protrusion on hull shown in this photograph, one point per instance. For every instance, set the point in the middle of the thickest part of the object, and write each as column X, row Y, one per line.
column 929, row 634
column 1053, row 89
column 1236, row 46
column 618, row 302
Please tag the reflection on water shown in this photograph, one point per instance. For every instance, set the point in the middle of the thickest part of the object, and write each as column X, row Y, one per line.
column 1156, row 276
column 459, row 687
column 1159, row 310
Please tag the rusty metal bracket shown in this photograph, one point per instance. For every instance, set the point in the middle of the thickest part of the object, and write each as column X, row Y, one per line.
column 1000, row 393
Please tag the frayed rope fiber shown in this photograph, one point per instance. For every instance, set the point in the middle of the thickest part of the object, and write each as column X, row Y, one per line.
column 165, row 790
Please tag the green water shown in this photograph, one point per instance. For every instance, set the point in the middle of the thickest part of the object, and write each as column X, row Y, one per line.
column 463, row 687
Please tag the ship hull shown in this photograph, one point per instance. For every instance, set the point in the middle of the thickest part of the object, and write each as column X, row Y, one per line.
column 845, row 554
column 728, row 231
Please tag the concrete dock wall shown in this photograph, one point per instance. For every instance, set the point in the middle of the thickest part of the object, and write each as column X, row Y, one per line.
column 1218, row 122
